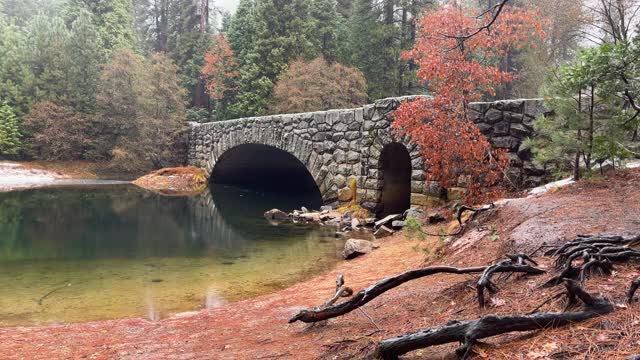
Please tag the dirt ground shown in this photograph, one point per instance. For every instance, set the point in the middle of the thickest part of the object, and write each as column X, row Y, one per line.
column 258, row 329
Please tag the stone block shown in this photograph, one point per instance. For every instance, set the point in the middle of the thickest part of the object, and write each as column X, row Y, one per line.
column 425, row 200
column 493, row 116
column 501, row 128
column 520, row 131
column 456, row 193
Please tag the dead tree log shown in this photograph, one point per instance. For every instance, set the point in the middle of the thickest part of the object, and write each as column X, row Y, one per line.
column 468, row 332
column 515, row 263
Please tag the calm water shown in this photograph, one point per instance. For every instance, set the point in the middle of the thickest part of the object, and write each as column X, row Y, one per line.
column 82, row 254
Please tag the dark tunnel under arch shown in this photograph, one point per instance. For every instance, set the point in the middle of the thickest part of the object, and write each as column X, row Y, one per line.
column 269, row 169
column 395, row 164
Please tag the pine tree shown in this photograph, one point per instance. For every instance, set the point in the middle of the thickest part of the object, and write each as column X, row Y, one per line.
column 10, row 137
column 15, row 77
column 113, row 18
column 325, row 24
column 86, row 54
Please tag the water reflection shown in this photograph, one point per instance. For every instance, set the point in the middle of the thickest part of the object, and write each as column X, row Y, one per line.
column 128, row 252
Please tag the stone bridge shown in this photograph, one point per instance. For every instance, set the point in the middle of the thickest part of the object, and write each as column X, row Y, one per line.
column 332, row 149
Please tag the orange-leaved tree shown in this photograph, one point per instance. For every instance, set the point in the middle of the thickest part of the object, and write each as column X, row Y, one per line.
column 458, row 69
column 219, row 68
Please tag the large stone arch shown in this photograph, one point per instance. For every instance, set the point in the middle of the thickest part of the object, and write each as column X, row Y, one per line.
column 294, row 134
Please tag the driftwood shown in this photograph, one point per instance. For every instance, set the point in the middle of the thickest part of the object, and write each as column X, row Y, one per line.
column 516, row 264
column 468, row 332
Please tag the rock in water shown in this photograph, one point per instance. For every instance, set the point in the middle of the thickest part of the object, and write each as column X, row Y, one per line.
column 276, row 214
column 356, row 247
column 383, row 231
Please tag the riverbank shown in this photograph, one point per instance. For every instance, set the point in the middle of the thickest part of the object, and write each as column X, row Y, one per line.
column 257, row 328
column 33, row 174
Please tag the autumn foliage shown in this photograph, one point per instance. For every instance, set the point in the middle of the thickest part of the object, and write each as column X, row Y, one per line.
column 219, row 68
column 317, row 85
column 457, row 71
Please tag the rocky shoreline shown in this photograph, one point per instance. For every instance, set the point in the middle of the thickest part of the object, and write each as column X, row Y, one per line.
column 358, row 232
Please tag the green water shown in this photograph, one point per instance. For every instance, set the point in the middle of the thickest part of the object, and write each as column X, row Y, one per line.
column 84, row 254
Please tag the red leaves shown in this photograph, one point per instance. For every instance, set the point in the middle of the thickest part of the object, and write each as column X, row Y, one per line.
column 219, row 66
column 458, row 73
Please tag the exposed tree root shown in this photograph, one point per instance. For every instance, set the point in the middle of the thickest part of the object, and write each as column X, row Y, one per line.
column 468, row 332
column 516, row 263
column 597, row 252
column 635, row 284
column 373, row 291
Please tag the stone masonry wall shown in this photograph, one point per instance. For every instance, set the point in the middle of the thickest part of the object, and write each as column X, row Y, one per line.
column 506, row 123
column 339, row 145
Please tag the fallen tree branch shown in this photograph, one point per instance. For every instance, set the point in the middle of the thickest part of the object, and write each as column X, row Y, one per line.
column 515, row 264
column 375, row 290
column 468, row 332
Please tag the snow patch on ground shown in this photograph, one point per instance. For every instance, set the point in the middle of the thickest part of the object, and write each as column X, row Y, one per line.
column 14, row 176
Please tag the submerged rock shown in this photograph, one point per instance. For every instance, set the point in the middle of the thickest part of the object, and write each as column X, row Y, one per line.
column 356, row 247
column 276, row 214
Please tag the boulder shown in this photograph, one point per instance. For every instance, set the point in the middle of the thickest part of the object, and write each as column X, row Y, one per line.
column 383, row 231
column 356, row 247
column 276, row 214
column 314, row 216
column 326, row 208
column 413, row 213
column 304, row 209
column 355, row 223
column 397, row 224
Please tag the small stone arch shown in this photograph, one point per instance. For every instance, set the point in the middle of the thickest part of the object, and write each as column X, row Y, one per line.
column 395, row 165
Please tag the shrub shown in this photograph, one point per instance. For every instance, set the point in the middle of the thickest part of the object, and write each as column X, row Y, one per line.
column 56, row 132
column 318, row 85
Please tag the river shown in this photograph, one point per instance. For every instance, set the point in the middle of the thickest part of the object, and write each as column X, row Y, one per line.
column 85, row 253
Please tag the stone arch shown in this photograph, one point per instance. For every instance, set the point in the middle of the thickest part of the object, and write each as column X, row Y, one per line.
column 373, row 179
column 272, row 131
